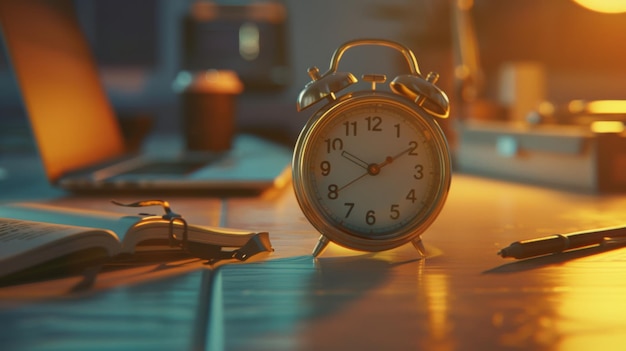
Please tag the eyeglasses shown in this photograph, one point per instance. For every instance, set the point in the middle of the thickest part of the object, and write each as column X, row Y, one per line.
column 200, row 250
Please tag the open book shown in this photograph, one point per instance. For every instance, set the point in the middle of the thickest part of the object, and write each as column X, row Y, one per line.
column 42, row 237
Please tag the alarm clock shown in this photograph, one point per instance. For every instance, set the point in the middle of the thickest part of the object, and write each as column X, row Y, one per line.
column 371, row 168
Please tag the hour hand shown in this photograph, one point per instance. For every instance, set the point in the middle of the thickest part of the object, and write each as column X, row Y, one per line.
column 357, row 161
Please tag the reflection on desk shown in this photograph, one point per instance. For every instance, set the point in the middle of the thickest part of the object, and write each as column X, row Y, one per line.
column 463, row 296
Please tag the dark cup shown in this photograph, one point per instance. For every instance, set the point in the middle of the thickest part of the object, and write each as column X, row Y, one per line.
column 209, row 108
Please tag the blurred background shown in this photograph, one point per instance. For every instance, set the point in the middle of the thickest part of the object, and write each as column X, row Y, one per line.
column 566, row 51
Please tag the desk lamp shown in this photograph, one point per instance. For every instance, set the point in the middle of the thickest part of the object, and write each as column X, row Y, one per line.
column 578, row 146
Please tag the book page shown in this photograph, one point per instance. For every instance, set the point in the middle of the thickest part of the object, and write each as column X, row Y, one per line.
column 116, row 222
column 26, row 244
column 18, row 236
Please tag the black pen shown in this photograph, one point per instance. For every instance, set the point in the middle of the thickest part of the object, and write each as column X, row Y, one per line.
column 561, row 242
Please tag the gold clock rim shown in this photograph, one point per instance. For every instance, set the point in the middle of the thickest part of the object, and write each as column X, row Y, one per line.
column 416, row 227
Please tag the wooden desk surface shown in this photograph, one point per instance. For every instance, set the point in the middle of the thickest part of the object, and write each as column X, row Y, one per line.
column 462, row 297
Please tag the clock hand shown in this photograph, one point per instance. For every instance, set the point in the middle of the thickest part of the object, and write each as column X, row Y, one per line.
column 354, row 159
column 353, row 181
column 372, row 169
column 390, row 159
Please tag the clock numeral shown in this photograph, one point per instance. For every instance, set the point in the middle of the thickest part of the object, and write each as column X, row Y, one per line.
column 333, row 191
column 419, row 172
column 413, row 145
column 370, row 217
column 325, row 167
column 373, row 123
column 350, row 127
column 397, row 126
column 395, row 212
column 350, row 206
column 334, row 144
column 411, row 196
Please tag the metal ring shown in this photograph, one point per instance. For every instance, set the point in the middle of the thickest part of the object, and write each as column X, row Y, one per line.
column 566, row 241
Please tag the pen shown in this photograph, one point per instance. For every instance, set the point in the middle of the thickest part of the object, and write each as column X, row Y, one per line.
column 561, row 242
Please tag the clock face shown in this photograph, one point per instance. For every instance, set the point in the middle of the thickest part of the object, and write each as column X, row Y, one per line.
column 371, row 169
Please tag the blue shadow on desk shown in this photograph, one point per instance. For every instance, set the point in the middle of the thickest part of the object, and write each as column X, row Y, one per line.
column 167, row 314
column 307, row 289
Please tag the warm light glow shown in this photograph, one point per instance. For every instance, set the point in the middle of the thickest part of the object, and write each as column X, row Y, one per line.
column 546, row 108
column 337, row 250
column 604, row 6
column 607, row 127
column 437, row 294
column 606, row 106
column 576, row 106
column 465, row 4
column 591, row 308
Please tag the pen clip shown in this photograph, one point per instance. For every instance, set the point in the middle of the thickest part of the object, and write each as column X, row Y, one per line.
column 611, row 241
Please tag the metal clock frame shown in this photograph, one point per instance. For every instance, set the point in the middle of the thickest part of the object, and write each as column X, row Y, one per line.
column 340, row 235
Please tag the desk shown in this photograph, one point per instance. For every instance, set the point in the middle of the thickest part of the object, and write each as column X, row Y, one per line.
column 462, row 297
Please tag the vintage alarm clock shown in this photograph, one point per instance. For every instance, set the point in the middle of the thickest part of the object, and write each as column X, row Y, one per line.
column 371, row 168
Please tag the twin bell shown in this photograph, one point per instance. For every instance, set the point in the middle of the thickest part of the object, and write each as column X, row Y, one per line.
column 413, row 86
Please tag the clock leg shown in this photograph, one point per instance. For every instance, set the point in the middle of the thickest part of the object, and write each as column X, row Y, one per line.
column 321, row 245
column 419, row 246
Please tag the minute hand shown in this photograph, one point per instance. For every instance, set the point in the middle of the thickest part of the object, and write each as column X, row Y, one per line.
column 372, row 169
column 390, row 159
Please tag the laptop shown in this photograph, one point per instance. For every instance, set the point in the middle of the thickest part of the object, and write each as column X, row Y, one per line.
column 77, row 133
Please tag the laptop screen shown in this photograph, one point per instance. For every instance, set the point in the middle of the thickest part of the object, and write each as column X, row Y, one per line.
column 72, row 120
